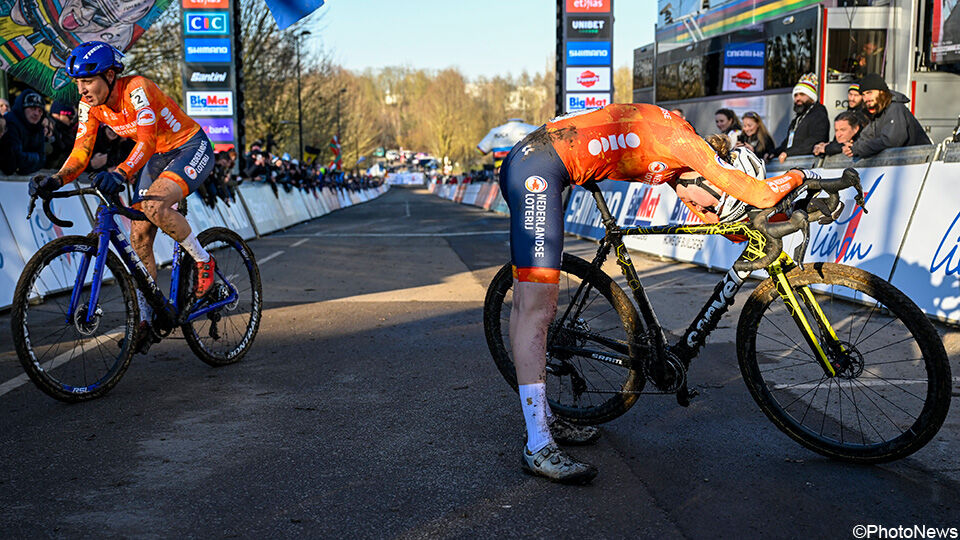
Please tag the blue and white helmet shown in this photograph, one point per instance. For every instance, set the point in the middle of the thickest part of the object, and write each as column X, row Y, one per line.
column 93, row 58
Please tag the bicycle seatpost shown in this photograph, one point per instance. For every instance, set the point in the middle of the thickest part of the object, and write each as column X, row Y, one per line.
column 608, row 220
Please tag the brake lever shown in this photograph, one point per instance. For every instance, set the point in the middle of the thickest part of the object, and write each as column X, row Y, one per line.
column 31, row 206
column 801, row 250
column 861, row 201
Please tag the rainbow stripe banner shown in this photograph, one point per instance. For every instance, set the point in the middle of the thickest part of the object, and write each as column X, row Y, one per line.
column 730, row 17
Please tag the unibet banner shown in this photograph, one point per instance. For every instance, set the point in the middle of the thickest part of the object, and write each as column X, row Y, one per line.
column 36, row 37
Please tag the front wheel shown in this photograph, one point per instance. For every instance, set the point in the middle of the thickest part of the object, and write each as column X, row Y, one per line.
column 891, row 391
column 67, row 351
column 224, row 336
column 591, row 377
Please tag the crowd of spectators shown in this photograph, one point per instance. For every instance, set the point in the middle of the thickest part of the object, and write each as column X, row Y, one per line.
column 33, row 137
column 876, row 119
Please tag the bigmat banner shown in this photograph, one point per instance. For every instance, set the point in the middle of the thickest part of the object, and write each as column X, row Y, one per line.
column 584, row 54
column 36, row 37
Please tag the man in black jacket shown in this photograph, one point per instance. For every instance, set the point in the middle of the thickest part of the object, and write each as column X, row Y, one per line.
column 846, row 126
column 810, row 126
column 21, row 148
column 891, row 124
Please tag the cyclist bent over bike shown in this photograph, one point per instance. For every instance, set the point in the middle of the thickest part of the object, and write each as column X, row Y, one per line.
column 171, row 159
column 630, row 142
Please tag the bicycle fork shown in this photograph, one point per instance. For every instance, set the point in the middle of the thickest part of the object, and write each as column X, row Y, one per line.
column 786, row 293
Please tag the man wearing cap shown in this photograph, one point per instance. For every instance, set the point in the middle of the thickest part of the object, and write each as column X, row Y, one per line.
column 64, row 132
column 21, row 148
column 810, row 126
column 891, row 125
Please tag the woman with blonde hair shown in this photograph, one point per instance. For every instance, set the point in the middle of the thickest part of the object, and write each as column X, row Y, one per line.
column 755, row 135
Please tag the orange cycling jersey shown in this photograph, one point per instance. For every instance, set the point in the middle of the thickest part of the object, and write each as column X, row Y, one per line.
column 645, row 143
column 144, row 114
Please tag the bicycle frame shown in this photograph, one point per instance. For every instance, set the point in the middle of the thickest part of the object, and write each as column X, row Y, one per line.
column 109, row 233
column 723, row 294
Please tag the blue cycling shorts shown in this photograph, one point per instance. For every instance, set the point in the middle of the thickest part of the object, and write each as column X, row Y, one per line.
column 532, row 180
column 187, row 166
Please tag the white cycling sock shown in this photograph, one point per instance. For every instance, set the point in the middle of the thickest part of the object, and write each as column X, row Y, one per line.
column 533, row 401
column 146, row 312
column 193, row 247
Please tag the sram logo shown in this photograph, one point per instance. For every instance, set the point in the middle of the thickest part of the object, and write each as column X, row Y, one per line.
column 610, row 143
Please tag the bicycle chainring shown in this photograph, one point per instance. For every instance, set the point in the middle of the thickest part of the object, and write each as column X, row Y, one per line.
column 666, row 372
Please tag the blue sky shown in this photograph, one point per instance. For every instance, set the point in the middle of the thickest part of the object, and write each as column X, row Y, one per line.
column 490, row 37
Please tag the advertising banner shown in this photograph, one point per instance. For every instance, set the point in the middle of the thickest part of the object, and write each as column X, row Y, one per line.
column 597, row 27
column 211, row 103
column 589, row 53
column 203, row 76
column 945, row 31
column 206, row 23
column 205, row 4
column 579, row 102
column 589, row 6
column 11, row 264
column 743, row 54
column 217, row 129
column 36, row 38
column 207, row 50
column 587, row 79
column 742, row 79
column 928, row 270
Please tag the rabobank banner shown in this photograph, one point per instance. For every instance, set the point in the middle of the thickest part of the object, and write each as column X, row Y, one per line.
column 589, row 53
column 217, row 129
column 207, row 50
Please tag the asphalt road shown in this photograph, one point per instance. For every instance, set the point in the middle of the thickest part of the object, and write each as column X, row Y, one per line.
column 369, row 407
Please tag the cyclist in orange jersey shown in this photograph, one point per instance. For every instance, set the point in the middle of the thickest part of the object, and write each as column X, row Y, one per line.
column 630, row 142
column 171, row 158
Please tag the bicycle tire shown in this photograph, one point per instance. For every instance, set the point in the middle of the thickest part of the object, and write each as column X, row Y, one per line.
column 224, row 239
column 623, row 392
column 43, row 377
column 876, row 383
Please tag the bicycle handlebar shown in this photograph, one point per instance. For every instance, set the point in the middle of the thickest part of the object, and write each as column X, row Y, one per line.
column 112, row 200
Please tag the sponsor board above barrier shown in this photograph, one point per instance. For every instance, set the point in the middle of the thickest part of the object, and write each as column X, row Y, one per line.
column 406, row 178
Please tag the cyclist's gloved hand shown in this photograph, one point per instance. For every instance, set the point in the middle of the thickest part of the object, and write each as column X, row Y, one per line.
column 109, row 183
column 44, row 186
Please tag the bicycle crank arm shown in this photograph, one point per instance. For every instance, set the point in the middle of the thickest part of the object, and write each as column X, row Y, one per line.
column 617, row 360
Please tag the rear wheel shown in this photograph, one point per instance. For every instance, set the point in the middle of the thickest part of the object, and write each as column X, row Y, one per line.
column 892, row 389
column 68, row 355
column 590, row 374
column 224, row 336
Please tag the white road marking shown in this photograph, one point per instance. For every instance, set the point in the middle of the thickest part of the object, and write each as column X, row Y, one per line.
column 408, row 209
column 273, row 255
column 299, row 242
column 61, row 359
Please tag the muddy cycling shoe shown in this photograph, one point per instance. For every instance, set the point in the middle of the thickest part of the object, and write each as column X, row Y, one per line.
column 557, row 466
column 206, row 272
column 567, row 433
column 145, row 338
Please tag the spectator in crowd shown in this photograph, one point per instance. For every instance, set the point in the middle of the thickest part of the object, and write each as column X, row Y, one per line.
column 891, row 125
column 810, row 125
column 64, row 133
column 854, row 98
column 846, row 127
column 22, row 147
column 728, row 124
column 4, row 106
column 755, row 135
column 109, row 150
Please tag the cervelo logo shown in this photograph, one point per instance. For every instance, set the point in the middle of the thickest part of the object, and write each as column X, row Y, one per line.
column 588, row 78
column 206, row 23
column 535, row 184
column 610, row 143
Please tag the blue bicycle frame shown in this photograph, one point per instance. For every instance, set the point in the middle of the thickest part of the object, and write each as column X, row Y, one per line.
column 108, row 232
